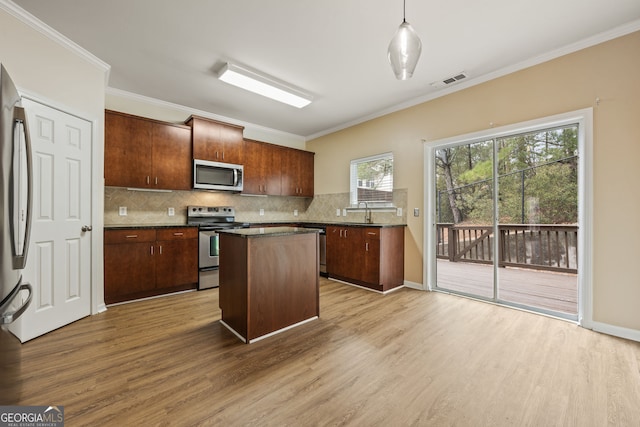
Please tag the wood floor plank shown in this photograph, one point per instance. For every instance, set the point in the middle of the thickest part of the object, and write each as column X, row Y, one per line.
column 406, row 358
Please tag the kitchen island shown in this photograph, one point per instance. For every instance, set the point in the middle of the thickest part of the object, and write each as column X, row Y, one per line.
column 268, row 280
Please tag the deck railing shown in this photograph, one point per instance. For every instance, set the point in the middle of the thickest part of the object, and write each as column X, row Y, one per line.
column 537, row 246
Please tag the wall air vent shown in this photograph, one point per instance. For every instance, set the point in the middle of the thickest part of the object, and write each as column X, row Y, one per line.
column 450, row 80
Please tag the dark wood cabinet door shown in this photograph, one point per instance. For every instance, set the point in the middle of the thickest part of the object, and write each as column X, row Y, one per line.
column 306, row 174
column 290, row 172
column 345, row 252
column 216, row 141
column 129, row 269
column 297, row 173
column 176, row 263
column 353, row 256
column 371, row 265
column 232, row 143
column 262, row 168
column 272, row 169
column 171, row 158
column 127, row 156
column 253, row 168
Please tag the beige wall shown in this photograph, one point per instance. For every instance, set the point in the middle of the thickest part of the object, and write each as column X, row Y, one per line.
column 609, row 71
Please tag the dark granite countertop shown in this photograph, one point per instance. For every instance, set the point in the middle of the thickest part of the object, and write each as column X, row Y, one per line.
column 321, row 224
column 141, row 226
column 268, row 231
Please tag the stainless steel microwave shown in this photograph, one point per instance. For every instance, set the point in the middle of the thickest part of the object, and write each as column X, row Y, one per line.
column 209, row 175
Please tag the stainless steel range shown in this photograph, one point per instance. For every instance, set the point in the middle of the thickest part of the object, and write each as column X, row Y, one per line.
column 209, row 220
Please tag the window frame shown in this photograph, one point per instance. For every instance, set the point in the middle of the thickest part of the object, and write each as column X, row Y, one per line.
column 353, row 181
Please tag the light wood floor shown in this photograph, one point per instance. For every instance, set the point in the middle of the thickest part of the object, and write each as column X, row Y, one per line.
column 406, row 358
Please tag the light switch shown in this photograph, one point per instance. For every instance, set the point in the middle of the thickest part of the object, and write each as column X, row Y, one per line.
column 416, row 211
column 399, row 211
column 344, row 212
column 338, row 212
column 122, row 211
column 171, row 211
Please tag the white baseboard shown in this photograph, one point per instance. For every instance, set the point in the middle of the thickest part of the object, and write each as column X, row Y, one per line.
column 413, row 285
column 616, row 331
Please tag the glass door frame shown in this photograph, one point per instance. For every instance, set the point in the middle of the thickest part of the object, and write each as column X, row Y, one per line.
column 584, row 119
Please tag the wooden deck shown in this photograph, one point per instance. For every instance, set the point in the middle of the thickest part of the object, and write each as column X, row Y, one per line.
column 538, row 289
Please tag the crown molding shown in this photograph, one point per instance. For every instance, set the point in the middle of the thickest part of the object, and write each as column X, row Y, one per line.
column 27, row 18
column 605, row 36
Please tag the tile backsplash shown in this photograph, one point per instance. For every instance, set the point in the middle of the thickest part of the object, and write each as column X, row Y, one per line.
column 149, row 207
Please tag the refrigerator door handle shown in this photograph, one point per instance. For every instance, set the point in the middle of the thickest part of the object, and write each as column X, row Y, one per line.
column 20, row 118
column 7, row 317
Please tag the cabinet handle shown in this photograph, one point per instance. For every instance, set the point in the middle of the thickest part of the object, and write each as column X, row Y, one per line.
column 340, row 233
column 160, row 249
column 216, row 155
column 147, row 179
column 132, row 236
column 151, row 249
column 371, row 234
column 156, row 180
column 178, row 234
column 366, row 246
column 223, row 155
column 345, row 233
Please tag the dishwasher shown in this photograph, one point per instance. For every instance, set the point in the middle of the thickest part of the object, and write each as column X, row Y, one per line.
column 323, row 252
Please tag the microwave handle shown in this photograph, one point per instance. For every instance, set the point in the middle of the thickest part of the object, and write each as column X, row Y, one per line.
column 235, row 176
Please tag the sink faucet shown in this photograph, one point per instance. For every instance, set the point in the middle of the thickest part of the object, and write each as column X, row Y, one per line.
column 367, row 213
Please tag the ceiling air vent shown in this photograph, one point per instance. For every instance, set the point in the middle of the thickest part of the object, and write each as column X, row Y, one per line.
column 450, row 80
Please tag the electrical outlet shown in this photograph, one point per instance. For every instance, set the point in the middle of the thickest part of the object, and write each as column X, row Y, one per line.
column 171, row 212
column 122, row 211
column 416, row 212
column 295, row 212
column 344, row 212
column 261, row 212
column 399, row 211
column 338, row 212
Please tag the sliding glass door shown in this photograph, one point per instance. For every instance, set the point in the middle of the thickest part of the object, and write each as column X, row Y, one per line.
column 507, row 219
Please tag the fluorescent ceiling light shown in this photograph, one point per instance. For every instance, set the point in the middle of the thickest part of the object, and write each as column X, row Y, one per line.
column 262, row 85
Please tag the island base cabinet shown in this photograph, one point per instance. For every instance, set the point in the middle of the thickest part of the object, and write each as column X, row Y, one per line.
column 268, row 283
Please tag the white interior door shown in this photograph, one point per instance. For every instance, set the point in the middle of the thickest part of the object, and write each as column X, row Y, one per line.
column 59, row 258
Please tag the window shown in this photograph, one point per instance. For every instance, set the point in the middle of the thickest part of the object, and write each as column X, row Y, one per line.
column 372, row 180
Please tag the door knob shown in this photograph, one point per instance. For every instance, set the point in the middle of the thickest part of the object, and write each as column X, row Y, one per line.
column 86, row 228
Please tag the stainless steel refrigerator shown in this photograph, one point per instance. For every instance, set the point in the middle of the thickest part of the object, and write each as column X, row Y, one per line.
column 15, row 202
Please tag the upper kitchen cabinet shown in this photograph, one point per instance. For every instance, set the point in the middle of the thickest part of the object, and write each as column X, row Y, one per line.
column 145, row 153
column 262, row 168
column 297, row 175
column 216, row 141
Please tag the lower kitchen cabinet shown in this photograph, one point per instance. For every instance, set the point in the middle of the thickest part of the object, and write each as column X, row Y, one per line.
column 368, row 256
column 145, row 262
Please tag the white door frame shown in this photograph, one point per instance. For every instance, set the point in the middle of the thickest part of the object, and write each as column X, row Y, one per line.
column 584, row 118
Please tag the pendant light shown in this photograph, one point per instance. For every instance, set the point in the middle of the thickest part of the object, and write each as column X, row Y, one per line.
column 404, row 49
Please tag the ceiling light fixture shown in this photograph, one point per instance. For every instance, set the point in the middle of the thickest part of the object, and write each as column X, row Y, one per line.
column 404, row 49
column 262, row 85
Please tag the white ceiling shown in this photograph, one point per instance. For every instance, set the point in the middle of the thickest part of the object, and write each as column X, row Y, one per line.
column 335, row 49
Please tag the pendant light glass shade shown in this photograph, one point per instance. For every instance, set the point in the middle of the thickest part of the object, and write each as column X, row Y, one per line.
column 404, row 51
